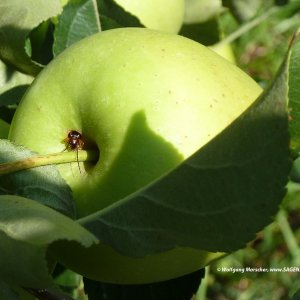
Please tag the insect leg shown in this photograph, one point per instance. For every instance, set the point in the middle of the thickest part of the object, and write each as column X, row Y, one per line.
column 78, row 160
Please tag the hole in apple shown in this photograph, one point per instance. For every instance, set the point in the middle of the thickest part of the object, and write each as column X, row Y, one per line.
column 89, row 144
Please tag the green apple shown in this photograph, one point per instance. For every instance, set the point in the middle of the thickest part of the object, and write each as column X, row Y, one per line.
column 225, row 51
column 104, row 264
column 165, row 16
column 147, row 100
column 64, row 2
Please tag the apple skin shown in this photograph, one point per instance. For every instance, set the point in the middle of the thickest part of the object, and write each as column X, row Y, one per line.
column 167, row 17
column 225, row 51
column 147, row 100
column 112, row 267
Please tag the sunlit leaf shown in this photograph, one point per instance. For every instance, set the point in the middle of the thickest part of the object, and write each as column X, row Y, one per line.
column 43, row 184
column 78, row 20
column 17, row 19
column 27, row 228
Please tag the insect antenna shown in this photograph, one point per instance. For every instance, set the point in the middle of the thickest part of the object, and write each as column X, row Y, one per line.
column 78, row 160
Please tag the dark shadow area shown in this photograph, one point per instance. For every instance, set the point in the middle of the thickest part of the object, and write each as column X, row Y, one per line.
column 207, row 34
column 113, row 15
column 217, row 199
column 41, row 39
column 181, row 288
column 144, row 157
column 13, row 39
column 6, row 114
column 13, row 95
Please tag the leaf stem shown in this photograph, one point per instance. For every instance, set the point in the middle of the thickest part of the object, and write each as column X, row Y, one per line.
column 48, row 159
column 288, row 235
column 202, row 291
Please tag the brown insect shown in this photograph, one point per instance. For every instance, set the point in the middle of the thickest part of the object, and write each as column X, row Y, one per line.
column 74, row 142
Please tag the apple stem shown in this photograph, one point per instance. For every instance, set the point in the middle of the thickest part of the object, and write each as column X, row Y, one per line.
column 49, row 159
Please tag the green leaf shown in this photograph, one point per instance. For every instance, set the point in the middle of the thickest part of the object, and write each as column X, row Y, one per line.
column 7, row 113
column 294, row 94
column 41, row 41
column 4, row 128
column 216, row 200
column 7, row 293
column 206, row 33
column 13, row 84
column 17, row 19
column 79, row 19
column 27, row 228
column 201, row 22
column 112, row 14
column 43, row 184
column 108, row 23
